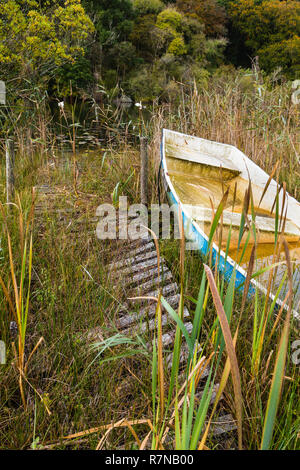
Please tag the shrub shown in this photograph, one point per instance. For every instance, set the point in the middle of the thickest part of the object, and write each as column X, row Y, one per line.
column 144, row 7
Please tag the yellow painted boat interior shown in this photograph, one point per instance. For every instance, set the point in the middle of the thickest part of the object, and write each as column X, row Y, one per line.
column 203, row 185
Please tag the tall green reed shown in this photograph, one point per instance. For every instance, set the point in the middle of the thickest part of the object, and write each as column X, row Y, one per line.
column 181, row 411
column 16, row 285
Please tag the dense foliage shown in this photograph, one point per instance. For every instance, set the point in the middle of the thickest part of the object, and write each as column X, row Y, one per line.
column 71, row 67
column 142, row 48
column 271, row 29
column 35, row 37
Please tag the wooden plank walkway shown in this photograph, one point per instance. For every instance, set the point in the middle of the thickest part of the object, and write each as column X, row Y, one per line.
column 132, row 271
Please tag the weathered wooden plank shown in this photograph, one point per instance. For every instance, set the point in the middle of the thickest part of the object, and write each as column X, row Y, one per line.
column 184, row 353
column 141, row 248
column 147, row 312
column 146, row 286
column 134, row 268
column 168, row 338
column 133, row 260
column 137, row 275
column 215, row 388
column 150, row 325
column 45, row 189
column 167, row 290
column 150, row 274
column 222, row 425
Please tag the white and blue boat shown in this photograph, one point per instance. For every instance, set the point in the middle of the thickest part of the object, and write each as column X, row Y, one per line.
column 197, row 172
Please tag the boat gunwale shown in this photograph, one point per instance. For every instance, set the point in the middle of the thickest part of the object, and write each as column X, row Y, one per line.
column 219, row 253
column 250, row 167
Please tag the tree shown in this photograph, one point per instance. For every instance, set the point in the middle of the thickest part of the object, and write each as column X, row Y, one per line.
column 270, row 30
column 209, row 12
column 147, row 38
column 193, row 32
column 170, row 22
column 123, row 57
column 113, row 19
column 146, row 7
column 34, row 38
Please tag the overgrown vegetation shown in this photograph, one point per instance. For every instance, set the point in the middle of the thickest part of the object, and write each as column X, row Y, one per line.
column 68, row 67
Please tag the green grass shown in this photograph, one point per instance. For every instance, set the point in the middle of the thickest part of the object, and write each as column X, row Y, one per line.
column 86, row 387
column 65, row 303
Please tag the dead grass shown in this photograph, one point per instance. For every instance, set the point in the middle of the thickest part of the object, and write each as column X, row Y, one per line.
column 67, row 303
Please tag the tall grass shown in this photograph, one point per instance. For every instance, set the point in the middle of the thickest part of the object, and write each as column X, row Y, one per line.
column 126, row 397
column 225, row 334
column 263, row 127
column 16, row 288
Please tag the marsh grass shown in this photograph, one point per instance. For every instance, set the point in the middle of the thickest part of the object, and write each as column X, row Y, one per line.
column 263, row 127
column 65, row 302
column 253, row 364
column 124, row 397
column 16, row 288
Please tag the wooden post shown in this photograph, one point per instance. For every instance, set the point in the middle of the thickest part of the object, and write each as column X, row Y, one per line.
column 10, row 161
column 144, row 170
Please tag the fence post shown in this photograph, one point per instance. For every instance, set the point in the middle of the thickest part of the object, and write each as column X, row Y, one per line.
column 144, row 170
column 10, row 161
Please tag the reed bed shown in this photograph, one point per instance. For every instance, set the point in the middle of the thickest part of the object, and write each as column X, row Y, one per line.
column 259, row 118
column 225, row 343
column 247, row 345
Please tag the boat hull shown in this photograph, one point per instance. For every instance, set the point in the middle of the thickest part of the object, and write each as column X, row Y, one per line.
column 197, row 238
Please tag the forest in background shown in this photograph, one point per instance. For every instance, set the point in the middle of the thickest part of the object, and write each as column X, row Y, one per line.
column 224, row 71
column 140, row 48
